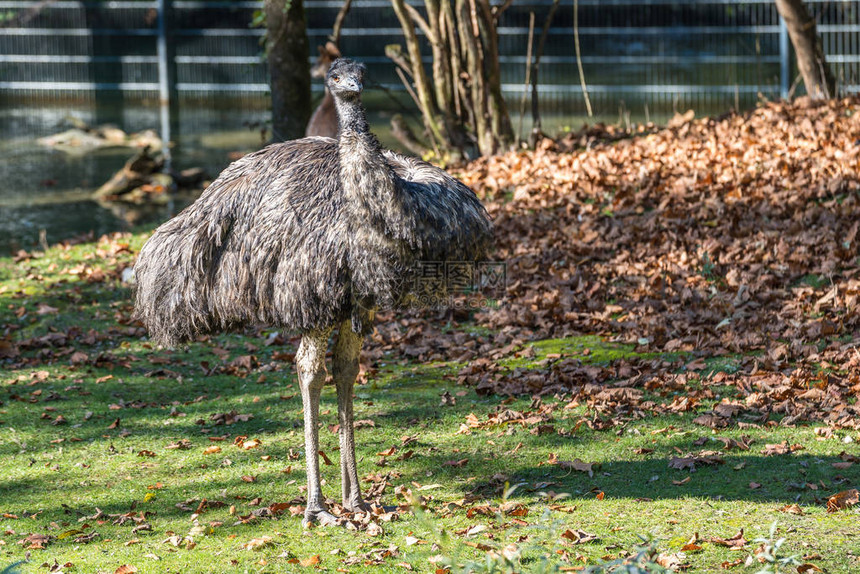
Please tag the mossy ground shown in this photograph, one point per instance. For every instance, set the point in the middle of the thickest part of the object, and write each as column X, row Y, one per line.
column 54, row 476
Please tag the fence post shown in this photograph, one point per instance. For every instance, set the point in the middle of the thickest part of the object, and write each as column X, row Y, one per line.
column 784, row 60
column 164, row 87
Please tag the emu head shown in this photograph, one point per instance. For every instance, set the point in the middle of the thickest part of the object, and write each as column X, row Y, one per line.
column 345, row 78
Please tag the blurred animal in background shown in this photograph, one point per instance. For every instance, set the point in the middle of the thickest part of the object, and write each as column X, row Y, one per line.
column 323, row 122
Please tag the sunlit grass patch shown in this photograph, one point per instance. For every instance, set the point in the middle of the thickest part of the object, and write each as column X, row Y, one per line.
column 111, row 459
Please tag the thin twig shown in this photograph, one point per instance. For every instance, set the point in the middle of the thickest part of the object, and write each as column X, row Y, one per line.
column 536, row 66
column 396, row 55
column 422, row 23
column 338, row 23
column 579, row 57
column 417, row 103
column 403, row 108
column 500, row 9
column 528, row 75
column 408, row 87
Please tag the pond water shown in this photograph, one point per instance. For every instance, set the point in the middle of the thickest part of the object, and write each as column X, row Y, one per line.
column 51, row 190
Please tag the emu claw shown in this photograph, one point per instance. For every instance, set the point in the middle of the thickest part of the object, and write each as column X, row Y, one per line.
column 321, row 517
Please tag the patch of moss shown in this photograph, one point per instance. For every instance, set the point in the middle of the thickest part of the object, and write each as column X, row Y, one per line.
column 814, row 281
column 590, row 349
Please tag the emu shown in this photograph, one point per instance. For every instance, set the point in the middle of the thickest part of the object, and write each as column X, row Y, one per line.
column 310, row 235
column 323, row 122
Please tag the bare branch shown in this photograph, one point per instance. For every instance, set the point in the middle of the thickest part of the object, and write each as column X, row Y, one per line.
column 408, row 86
column 422, row 84
column 422, row 23
column 579, row 57
column 499, row 10
column 404, row 134
column 536, row 65
column 394, row 53
column 528, row 74
column 338, row 22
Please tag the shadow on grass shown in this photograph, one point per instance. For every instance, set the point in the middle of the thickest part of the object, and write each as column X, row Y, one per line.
column 762, row 480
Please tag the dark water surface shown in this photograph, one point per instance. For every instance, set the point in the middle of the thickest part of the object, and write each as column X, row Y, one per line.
column 48, row 189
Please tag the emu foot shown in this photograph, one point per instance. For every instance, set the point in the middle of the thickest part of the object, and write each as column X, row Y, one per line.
column 356, row 505
column 321, row 517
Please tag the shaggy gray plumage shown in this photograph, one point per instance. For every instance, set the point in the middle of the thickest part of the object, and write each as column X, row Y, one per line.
column 309, row 235
column 279, row 239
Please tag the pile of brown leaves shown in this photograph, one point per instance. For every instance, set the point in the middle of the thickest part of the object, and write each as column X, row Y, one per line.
column 732, row 236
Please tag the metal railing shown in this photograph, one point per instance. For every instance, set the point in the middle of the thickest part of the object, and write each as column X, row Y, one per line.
column 690, row 53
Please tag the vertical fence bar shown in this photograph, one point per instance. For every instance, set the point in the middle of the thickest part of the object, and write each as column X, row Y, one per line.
column 164, row 83
column 784, row 60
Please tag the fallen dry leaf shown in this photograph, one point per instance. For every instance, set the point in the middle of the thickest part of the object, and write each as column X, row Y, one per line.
column 578, row 536
column 843, row 500
column 310, row 560
column 249, row 444
column 735, row 542
column 257, row 543
column 781, row 448
column 791, row 509
column 674, row 562
column 682, row 463
column 35, row 541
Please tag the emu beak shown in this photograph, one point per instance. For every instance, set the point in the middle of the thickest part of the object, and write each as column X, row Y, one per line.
column 352, row 85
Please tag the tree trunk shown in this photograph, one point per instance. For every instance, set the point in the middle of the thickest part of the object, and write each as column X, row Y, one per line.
column 289, row 68
column 817, row 76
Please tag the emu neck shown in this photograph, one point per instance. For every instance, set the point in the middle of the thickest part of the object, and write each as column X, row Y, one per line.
column 365, row 176
column 351, row 118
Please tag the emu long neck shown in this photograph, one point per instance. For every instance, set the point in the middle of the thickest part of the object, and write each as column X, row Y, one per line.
column 365, row 175
column 351, row 118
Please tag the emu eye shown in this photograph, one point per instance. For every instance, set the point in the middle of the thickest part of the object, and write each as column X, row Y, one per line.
column 335, row 77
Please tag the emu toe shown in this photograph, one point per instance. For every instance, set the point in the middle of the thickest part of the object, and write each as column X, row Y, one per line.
column 321, row 517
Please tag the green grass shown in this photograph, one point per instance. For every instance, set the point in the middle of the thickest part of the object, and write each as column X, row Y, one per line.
column 53, row 478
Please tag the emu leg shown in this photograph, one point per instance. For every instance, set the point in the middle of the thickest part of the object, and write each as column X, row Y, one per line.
column 310, row 364
column 344, row 372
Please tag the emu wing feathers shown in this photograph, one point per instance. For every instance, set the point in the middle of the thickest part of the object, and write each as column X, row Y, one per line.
column 447, row 219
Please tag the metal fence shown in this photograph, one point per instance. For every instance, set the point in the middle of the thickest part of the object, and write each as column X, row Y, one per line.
column 704, row 54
